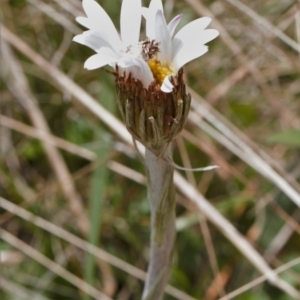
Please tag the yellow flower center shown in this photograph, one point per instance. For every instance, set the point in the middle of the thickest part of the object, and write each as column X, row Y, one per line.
column 158, row 70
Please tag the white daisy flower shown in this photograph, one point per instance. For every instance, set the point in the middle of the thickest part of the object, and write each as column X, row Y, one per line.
column 124, row 53
column 149, row 82
column 153, row 61
column 174, row 52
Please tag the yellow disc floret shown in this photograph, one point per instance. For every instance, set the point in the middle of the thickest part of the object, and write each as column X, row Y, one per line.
column 158, row 70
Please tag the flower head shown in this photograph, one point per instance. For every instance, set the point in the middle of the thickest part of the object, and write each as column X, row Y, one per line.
column 175, row 50
column 124, row 50
column 149, row 76
column 156, row 58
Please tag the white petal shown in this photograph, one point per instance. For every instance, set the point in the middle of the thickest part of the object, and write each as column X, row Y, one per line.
column 173, row 24
column 99, row 60
column 84, row 22
column 193, row 37
column 198, row 37
column 194, row 32
column 93, row 40
column 150, row 22
column 90, row 40
column 138, row 68
column 79, row 39
column 125, row 62
column 150, row 15
column 156, row 5
column 101, row 22
column 193, row 28
column 131, row 21
column 167, row 86
column 162, row 35
column 109, row 54
column 208, row 35
column 186, row 54
column 177, row 44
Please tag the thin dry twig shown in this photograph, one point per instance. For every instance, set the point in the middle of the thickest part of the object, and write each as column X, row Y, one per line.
column 235, row 142
column 233, row 235
column 51, row 265
column 126, row 172
column 18, row 85
column 203, row 222
column 261, row 22
column 70, row 7
column 260, row 279
column 18, row 291
column 286, row 114
column 70, row 147
column 63, row 48
column 82, row 244
column 221, row 89
column 60, row 19
column 291, row 225
column 46, row 137
column 220, row 161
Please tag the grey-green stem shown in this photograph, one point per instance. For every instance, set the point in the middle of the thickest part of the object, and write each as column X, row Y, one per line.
column 162, row 203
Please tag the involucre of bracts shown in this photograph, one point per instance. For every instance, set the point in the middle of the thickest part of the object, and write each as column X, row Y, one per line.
column 153, row 117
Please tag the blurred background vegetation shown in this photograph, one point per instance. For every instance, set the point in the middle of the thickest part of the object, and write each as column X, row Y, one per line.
column 62, row 162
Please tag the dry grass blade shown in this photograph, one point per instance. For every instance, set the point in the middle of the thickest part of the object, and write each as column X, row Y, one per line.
column 216, row 157
column 69, row 6
column 48, row 10
column 47, row 138
column 285, row 113
column 223, row 87
column 126, row 172
column 242, row 149
column 260, row 279
column 49, row 264
column 70, row 147
column 297, row 17
column 236, row 136
column 263, row 23
column 19, row 87
column 82, row 244
column 233, row 235
column 17, row 290
column 284, row 234
column 202, row 221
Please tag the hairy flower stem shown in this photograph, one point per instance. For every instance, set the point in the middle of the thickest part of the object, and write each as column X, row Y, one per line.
column 162, row 202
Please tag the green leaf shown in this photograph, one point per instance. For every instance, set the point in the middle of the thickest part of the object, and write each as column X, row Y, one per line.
column 289, row 137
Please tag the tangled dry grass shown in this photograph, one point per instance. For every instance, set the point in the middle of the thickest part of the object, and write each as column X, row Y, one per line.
column 73, row 210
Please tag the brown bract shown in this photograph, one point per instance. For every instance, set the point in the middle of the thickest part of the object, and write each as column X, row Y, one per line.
column 153, row 117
